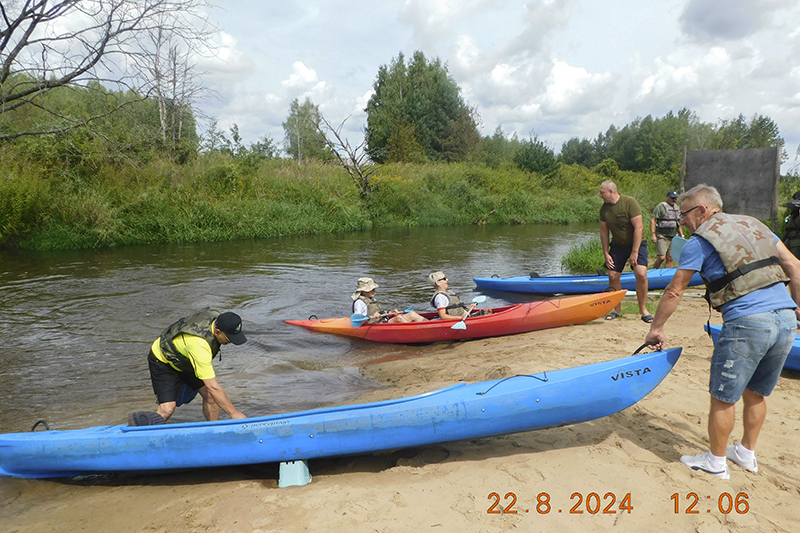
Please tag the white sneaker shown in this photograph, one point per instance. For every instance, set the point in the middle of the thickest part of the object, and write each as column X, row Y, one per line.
column 751, row 465
column 701, row 462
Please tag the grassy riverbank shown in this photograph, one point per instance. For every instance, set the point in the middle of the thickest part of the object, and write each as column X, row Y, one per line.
column 213, row 198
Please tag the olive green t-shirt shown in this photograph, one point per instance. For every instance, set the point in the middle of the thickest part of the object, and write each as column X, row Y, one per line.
column 618, row 218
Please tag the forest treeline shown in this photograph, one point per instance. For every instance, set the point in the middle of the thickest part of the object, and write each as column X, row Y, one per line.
column 87, row 161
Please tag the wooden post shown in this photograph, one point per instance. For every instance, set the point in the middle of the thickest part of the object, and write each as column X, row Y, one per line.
column 682, row 170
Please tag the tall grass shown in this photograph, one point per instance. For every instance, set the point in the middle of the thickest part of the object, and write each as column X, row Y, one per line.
column 101, row 203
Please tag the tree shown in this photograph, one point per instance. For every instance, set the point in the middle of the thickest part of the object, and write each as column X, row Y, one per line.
column 42, row 49
column 303, row 137
column 534, row 155
column 356, row 161
column 425, row 103
column 579, row 151
column 175, row 84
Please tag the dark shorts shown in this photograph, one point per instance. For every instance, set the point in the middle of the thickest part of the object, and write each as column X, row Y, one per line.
column 621, row 255
column 168, row 383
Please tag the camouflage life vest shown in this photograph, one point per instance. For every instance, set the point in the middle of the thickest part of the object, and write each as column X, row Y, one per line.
column 199, row 325
column 748, row 252
column 455, row 302
column 670, row 223
column 372, row 307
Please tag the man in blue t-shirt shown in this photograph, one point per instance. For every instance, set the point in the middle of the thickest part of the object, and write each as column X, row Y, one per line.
column 759, row 317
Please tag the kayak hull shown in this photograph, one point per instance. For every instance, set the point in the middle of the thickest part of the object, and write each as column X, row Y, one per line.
column 461, row 411
column 519, row 318
column 657, row 279
column 792, row 361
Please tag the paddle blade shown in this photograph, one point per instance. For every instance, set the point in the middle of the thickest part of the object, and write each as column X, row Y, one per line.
column 479, row 299
column 357, row 320
column 677, row 246
column 459, row 325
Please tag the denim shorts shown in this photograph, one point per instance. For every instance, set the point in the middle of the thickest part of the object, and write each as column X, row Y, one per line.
column 750, row 353
column 621, row 255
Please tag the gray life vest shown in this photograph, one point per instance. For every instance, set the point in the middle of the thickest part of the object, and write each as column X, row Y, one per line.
column 748, row 252
column 199, row 325
column 671, row 222
column 372, row 307
column 455, row 301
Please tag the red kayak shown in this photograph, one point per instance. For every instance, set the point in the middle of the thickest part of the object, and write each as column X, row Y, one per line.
column 519, row 318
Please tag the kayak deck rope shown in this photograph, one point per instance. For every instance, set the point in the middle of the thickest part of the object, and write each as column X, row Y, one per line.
column 544, row 379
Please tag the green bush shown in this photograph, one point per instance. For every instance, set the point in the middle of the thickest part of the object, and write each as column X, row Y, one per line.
column 585, row 258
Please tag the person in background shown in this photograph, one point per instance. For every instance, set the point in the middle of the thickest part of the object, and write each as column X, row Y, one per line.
column 791, row 231
column 664, row 226
column 621, row 220
column 446, row 302
column 364, row 303
column 181, row 357
column 744, row 267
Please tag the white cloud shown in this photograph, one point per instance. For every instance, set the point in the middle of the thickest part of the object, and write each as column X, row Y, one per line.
column 727, row 19
column 301, row 77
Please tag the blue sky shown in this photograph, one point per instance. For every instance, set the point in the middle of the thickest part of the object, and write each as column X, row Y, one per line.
column 557, row 69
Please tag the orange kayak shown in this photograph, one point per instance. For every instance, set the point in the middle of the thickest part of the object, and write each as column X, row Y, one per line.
column 519, row 318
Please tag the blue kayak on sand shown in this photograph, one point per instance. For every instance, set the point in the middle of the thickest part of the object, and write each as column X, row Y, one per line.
column 657, row 279
column 792, row 361
column 462, row 411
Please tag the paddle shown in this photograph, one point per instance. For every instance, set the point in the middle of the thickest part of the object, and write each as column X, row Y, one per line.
column 357, row 319
column 461, row 324
column 677, row 246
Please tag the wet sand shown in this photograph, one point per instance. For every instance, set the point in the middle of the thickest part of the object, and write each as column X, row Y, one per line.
column 618, row 473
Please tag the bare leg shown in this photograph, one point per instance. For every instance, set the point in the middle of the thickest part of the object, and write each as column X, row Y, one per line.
column 641, row 288
column 659, row 260
column 166, row 409
column 720, row 424
column 755, row 412
column 613, row 281
column 668, row 264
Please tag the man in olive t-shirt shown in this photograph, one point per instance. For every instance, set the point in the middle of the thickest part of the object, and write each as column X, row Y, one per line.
column 621, row 217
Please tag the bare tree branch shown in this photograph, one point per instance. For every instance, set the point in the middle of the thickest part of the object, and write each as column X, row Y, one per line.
column 355, row 161
column 46, row 45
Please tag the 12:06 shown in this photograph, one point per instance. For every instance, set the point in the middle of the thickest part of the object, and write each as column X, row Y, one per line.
column 725, row 503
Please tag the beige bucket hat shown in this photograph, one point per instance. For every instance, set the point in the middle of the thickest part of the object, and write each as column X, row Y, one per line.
column 364, row 285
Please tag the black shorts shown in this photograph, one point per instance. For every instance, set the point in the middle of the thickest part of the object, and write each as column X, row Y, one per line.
column 168, row 382
column 621, row 255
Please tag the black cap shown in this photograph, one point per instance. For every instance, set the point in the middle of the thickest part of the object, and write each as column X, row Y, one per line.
column 231, row 325
column 672, row 194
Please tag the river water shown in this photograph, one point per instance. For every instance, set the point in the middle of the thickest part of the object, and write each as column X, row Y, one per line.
column 78, row 324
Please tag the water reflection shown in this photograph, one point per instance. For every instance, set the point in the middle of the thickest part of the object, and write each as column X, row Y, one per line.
column 79, row 323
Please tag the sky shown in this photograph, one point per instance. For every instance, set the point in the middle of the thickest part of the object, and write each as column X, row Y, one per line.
column 553, row 68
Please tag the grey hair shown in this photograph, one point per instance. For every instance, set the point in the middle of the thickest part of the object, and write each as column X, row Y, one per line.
column 704, row 194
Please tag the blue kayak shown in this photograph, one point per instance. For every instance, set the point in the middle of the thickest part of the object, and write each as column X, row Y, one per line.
column 656, row 279
column 461, row 411
column 792, row 361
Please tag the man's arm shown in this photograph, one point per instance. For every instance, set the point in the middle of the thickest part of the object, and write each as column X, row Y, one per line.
column 638, row 231
column 791, row 266
column 653, row 228
column 669, row 302
column 221, row 399
column 604, row 240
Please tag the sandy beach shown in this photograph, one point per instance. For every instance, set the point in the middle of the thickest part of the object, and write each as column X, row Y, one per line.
column 619, row 473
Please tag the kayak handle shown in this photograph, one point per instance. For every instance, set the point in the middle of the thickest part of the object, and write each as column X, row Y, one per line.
column 42, row 422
